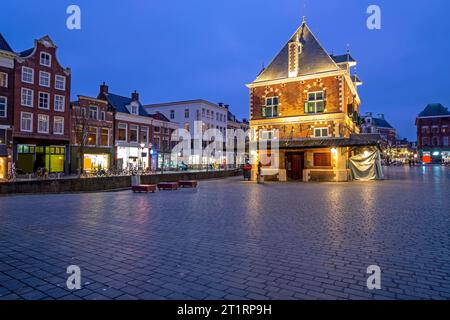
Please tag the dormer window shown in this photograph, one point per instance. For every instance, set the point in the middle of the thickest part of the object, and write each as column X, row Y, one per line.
column 46, row 59
column 270, row 110
column 315, row 103
column 134, row 109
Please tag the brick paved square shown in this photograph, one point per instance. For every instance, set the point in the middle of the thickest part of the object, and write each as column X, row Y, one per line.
column 234, row 240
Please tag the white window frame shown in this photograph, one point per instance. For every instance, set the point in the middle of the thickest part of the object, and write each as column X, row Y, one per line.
column 54, row 125
column 22, row 93
column 102, row 115
column 5, row 105
column 137, row 133
column 38, row 123
column 41, row 73
column 21, row 121
column 48, row 100
column 272, row 106
column 24, row 69
column 147, row 130
column 5, row 83
column 63, row 103
column 316, row 101
column 320, row 130
column 49, row 59
column 96, row 112
column 124, row 126
column 56, row 82
column 100, row 137
column 134, row 109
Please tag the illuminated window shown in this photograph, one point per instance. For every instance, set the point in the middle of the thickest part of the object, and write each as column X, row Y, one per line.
column 143, row 135
column 104, row 137
column 133, row 133
column 122, row 132
column 270, row 110
column 3, row 80
column 92, row 136
column 315, row 103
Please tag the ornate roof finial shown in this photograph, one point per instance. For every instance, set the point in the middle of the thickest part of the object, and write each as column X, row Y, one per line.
column 348, row 47
column 304, row 19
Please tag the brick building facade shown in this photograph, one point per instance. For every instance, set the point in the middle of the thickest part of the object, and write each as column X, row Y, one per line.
column 92, row 138
column 308, row 99
column 141, row 140
column 6, row 106
column 433, row 134
column 41, row 132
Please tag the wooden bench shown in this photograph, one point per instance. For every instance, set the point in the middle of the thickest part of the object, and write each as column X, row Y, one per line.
column 168, row 186
column 144, row 188
column 188, row 183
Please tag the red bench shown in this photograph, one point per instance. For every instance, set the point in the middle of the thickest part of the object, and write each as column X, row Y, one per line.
column 168, row 185
column 144, row 188
column 188, row 183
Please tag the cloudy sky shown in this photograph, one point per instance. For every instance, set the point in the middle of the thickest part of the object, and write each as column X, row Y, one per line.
column 177, row 49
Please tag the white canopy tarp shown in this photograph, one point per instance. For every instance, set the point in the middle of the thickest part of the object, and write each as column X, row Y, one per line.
column 366, row 165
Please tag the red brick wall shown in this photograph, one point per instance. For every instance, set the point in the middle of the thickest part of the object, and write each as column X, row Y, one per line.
column 102, row 106
column 292, row 96
column 9, row 94
column 430, row 122
column 34, row 62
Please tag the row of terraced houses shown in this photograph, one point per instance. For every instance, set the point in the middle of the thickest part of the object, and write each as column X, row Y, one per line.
column 41, row 128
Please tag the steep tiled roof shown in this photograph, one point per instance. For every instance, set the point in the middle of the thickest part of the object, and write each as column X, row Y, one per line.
column 4, row 44
column 26, row 53
column 433, row 110
column 120, row 102
column 382, row 123
column 312, row 59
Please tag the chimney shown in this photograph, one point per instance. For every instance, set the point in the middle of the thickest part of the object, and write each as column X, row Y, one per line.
column 104, row 88
column 220, row 104
column 369, row 114
column 380, row 115
column 135, row 96
column 227, row 106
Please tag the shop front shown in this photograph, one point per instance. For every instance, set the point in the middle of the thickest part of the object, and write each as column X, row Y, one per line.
column 94, row 159
column 32, row 157
column 3, row 167
column 133, row 158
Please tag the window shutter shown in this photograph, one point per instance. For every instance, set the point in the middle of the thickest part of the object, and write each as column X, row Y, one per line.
column 306, row 107
column 264, row 112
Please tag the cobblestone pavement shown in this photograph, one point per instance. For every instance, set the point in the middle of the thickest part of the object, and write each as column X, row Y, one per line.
column 234, row 240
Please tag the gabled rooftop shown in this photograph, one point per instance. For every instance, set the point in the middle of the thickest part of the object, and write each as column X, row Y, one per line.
column 4, row 44
column 434, row 110
column 120, row 103
column 313, row 58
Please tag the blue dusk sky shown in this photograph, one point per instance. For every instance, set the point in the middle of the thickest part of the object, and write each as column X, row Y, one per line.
column 177, row 49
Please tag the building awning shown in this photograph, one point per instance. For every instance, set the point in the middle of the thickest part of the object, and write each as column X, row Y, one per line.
column 362, row 140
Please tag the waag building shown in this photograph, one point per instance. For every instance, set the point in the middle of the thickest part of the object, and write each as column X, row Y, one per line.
column 307, row 100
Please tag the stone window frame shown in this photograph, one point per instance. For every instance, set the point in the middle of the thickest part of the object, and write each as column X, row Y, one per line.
column 273, row 104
